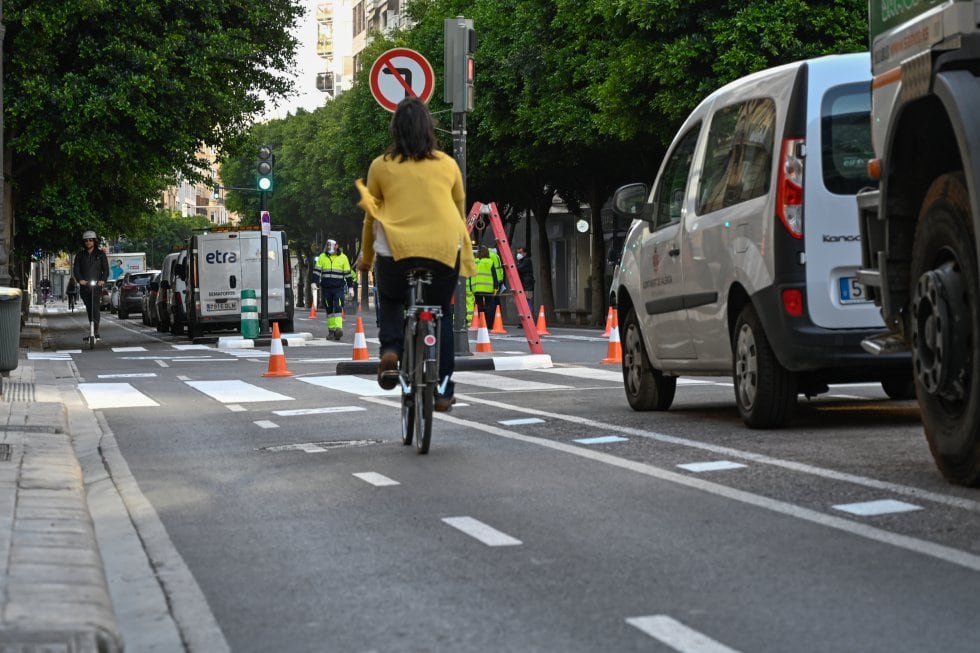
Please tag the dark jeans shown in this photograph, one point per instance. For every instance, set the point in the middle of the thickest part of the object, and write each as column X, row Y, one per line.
column 393, row 298
column 92, row 303
column 333, row 297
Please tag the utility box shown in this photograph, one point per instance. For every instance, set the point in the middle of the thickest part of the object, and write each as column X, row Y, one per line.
column 10, row 300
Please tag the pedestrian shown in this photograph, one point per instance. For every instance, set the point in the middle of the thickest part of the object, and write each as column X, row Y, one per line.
column 71, row 292
column 91, row 266
column 414, row 206
column 334, row 269
column 525, row 270
column 44, row 285
column 484, row 284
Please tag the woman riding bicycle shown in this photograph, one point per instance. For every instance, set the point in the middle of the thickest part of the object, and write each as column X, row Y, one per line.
column 414, row 218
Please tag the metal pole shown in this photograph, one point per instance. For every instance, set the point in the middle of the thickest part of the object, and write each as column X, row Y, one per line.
column 461, row 339
column 4, row 226
column 264, row 331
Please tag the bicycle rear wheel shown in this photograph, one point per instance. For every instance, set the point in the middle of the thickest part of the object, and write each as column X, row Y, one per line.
column 408, row 398
column 425, row 392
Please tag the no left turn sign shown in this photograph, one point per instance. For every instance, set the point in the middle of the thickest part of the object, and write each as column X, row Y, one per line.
column 400, row 73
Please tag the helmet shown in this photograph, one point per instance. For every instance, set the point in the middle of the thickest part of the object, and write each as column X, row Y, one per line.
column 89, row 234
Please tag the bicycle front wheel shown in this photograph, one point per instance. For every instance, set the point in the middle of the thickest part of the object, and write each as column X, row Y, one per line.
column 425, row 393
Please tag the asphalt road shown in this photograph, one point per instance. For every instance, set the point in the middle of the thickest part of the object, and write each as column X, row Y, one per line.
column 548, row 516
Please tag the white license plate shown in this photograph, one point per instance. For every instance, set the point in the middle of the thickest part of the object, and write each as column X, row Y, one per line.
column 224, row 307
column 851, row 291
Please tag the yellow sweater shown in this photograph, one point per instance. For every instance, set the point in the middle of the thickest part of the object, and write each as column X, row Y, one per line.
column 420, row 205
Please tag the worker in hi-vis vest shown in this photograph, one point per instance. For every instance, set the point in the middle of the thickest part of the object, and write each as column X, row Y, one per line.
column 334, row 269
column 484, row 283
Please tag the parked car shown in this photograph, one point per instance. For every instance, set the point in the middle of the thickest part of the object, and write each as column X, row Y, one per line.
column 132, row 286
column 148, row 307
column 105, row 301
column 170, row 299
column 742, row 258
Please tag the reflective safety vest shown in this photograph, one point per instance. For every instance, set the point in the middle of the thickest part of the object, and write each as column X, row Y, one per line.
column 498, row 269
column 334, row 269
column 485, row 280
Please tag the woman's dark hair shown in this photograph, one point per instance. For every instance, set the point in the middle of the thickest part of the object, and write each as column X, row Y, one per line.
column 412, row 131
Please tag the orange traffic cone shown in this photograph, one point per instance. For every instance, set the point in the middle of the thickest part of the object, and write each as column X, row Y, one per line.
column 312, row 310
column 542, row 325
column 614, row 354
column 483, row 337
column 360, row 344
column 475, row 324
column 277, row 359
column 605, row 334
column 498, row 323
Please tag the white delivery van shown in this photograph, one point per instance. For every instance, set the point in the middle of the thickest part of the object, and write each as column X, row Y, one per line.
column 743, row 258
column 221, row 263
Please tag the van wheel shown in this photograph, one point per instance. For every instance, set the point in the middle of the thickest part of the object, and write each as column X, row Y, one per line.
column 764, row 390
column 647, row 388
column 945, row 329
column 899, row 387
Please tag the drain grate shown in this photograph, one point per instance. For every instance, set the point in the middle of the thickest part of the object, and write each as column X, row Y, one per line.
column 18, row 391
column 315, row 447
column 4, row 453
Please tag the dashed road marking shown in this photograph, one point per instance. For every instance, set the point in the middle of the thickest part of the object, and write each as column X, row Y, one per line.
column 521, row 421
column 113, row 395
column 872, row 508
column 132, row 375
column 711, row 466
column 234, row 390
column 677, row 636
column 352, row 384
column 499, row 382
column 482, row 532
column 376, row 479
column 319, row 411
column 602, row 439
column 266, row 424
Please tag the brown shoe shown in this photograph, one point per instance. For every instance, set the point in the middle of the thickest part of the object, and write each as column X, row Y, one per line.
column 388, row 370
column 444, row 404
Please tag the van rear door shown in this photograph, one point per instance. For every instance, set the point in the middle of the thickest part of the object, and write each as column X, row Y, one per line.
column 219, row 284
column 252, row 271
column 838, row 141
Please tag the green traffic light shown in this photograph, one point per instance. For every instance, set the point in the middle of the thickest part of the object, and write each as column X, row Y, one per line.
column 265, row 183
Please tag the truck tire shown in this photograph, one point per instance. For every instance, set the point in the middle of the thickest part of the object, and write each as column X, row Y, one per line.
column 647, row 388
column 944, row 328
column 765, row 391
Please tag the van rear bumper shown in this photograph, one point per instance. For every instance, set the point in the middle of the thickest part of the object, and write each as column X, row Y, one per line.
column 802, row 346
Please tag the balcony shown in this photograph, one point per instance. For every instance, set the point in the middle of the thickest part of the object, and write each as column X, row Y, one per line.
column 324, row 13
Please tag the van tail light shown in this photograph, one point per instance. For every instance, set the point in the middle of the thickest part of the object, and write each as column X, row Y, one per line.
column 793, row 302
column 789, row 186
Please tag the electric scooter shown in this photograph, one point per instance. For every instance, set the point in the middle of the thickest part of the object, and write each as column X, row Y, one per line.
column 94, row 287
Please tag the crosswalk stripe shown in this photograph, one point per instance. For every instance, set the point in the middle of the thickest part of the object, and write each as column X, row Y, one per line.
column 498, row 382
column 235, row 391
column 352, row 384
column 113, row 395
column 589, row 373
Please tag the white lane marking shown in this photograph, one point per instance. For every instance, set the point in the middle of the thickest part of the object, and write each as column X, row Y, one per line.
column 376, row 479
column 162, row 363
column 480, row 531
column 266, row 424
column 245, row 353
column 588, row 373
column 186, row 347
column 51, row 356
column 132, row 375
column 923, row 547
column 711, row 466
column 521, row 421
column 319, row 360
column 122, row 350
column 113, row 395
column 728, row 452
column 872, row 508
column 310, row 448
column 352, row 384
column 703, row 382
column 237, row 391
column 601, row 439
column 677, row 636
column 181, row 377
column 318, row 411
column 235, row 408
column 499, row 382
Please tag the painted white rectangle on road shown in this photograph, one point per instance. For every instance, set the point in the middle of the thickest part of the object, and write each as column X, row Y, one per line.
column 318, row 411
column 353, row 384
column 586, row 373
column 236, row 391
column 882, row 507
column 480, row 531
column 125, row 349
column 133, row 375
column 376, row 479
column 113, row 395
column 602, row 439
column 677, row 636
column 521, row 421
column 711, row 466
column 186, row 347
column 266, row 424
column 500, row 382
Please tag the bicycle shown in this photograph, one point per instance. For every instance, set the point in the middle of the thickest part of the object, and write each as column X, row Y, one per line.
column 419, row 365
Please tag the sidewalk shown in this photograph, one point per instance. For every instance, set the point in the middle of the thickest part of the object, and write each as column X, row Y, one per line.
column 53, row 590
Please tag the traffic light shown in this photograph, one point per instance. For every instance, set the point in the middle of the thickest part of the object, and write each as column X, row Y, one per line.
column 263, row 167
column 458, row 68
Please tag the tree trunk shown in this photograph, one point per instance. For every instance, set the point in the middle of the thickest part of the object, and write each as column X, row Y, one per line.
column 544, row 293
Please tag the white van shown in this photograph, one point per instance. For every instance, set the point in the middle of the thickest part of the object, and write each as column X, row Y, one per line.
column 743, row 258
column 221, row 263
